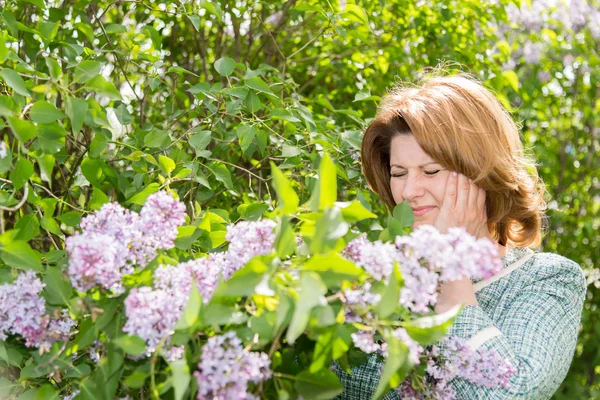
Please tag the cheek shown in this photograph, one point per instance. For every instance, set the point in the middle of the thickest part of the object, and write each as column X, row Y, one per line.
column 396, row 186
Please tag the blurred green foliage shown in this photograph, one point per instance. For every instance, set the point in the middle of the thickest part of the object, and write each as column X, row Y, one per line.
column 114, row 100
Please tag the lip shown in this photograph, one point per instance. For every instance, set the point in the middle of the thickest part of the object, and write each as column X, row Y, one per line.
column 420, row 211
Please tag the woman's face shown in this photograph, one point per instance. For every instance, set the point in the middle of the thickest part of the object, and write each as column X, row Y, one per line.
column 416, row 178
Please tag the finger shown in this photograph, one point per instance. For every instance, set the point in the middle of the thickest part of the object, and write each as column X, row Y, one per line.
column 462, row 193
column 450, row 193
column 473, row 195
column 481, row 201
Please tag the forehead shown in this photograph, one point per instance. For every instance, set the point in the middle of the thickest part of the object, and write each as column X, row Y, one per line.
column 406, row 152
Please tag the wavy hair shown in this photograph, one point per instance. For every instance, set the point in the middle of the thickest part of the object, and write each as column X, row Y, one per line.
column 462, row 125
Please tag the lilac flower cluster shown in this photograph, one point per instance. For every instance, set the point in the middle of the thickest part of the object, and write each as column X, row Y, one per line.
column 114, row 240
column 248, row 239
column 420, row 256
column 358, row 301
column 480, row 367
column 23, row 313
column 153, row 313
column 456, row 254
column 226, row 368
column 365, row 341
column 457, row 360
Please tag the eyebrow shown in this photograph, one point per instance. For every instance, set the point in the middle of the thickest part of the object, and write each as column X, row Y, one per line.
column 420, row 166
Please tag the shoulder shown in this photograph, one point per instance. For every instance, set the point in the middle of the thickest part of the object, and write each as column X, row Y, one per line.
column 555, row 269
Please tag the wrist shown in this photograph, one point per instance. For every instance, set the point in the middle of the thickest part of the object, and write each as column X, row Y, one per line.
column 454, row 293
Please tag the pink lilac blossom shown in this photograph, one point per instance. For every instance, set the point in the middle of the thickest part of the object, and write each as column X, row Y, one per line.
column 248, row 239
column 376, row 258
column 226, row 368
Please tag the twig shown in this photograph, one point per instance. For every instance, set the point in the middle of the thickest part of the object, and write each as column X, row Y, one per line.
column 20, row 203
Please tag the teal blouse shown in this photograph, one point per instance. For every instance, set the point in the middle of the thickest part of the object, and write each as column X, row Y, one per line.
column 529, row 313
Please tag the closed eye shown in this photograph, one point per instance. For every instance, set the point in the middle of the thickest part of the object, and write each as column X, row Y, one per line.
column 432, row 172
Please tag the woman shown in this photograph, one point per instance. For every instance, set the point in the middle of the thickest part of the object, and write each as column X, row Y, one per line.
column 450, row 150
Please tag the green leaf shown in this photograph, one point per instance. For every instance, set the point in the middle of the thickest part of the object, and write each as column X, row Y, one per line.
column 431, row 329
column 404, row 214
column 86, row 70
column 356, row 13
column 98, row 144
column 166, row 164
column 19, row 255
column 329, row 228
column 391, row 296
column 71, row 218
column 14, row 80
column 156, row 139
column 195, row 20
column 225, row 66
column 252, row 212
column 140, row 197
column 58, row 291
column 123, row 115
column 46, row 392
column 222, row 174
column 355, row 211
column 98, row 199
column 322, row 385
column 252, row 102
column 46, row 163
column 200, row 140
column 76, row 109
column 50, row 224
column 51, row 138
column 245, row 134
column 333, row 268
column 190, row 313
column 395, row 369
column 3, row 49
column 180, row 372
column 23, row 130
column 154, row 36
column 21, row 173
column 103, row 87
column 179, row 70
column 511, row 78
column 78, row 371
column 131, row 344
column 258, row 84
column 285, row 241
column 286, row 195
column 53, row 68
column 249, row 280
column 325, row 192
column 28, row 227
column 331, row 345
column 92, row 169
column 43, row 112
column 312, row 290
column 280, row 113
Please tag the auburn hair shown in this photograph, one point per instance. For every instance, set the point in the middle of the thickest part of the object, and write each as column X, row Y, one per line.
column 461, row 125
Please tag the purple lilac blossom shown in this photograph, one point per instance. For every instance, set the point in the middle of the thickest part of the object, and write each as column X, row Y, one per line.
column 248, row 239
column 376, row 258
column 159, row 218
column 456, row 254
column 414, row 349
column 226, row 368
column 152, row 315
column 358, row 300
column 364, row 340
column 94, row 261
column 22, row 310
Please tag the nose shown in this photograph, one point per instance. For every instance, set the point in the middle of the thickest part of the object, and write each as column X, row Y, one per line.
column 412, row 188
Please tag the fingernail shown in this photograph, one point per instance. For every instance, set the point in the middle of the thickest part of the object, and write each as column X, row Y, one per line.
column 453, row 173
